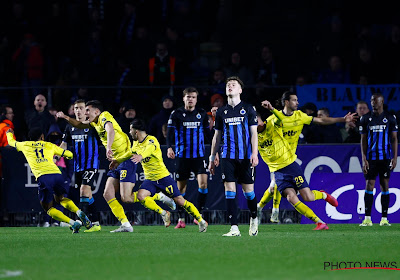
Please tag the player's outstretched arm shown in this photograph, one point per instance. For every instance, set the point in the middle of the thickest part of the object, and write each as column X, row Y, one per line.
column 73, row 121
column 328, row 120
column 10, row 138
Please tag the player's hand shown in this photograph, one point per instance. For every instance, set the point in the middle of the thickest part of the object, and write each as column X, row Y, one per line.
column 393, row 163
column 211, row 167
column 109, row 154
column 136, row 158
column 214, row 111
column 170, row 153
column 351, row 118
column 267, row 105
column 113, row 164
column 216, row 160
column 254, row 160
column 60, row 115
column 365, row 166
column 10, row 130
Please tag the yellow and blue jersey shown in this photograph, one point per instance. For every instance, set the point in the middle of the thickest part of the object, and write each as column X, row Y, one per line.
column 292, row 126
column 39, row 155
column 153, row 165
column 273, row 146
column 121, row 144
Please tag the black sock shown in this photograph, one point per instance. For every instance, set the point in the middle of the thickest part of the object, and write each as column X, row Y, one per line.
column 201, row 201
column 181, row 212
column 84, row 204
column 368, row 200
column 232, row 211
column 93, row 212
column 252, row 205
column 385, row 199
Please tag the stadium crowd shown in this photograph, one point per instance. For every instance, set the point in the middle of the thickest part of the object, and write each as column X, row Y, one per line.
column 134, row 56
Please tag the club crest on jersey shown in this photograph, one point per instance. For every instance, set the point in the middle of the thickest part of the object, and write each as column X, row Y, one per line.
column 73, row 129
column 385, row 120
column 86, row 130
column 198, row 116
column 370, row 119
column 184, row 115
column 103, row 119
column 243, row 111
column 226, row 112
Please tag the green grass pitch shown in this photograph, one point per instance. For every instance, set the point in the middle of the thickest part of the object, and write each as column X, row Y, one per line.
column 155, row 252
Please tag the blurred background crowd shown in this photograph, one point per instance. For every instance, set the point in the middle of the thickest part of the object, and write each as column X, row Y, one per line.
column 136, row 56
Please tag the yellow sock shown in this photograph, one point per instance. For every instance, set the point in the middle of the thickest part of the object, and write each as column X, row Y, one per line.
column 266, row 198
column 58, row 215
column 69, row 205
column 277, row 198
column 156, row 196
column 318, row 195
column 149, row 203
column 117, row 210
column 306, row 211
column 192, row 210
column 135, row 199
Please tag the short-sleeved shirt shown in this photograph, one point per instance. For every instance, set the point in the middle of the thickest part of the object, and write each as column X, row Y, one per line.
column 235, row 123
column 273, row 146
column 292, row 126
column 153, row 165
column 189, row 127
column 121, row 144
column 378, row 129
column 85, row 145
column 39, row 155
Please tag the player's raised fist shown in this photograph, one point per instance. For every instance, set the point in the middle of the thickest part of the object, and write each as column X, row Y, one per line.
column 60, row 115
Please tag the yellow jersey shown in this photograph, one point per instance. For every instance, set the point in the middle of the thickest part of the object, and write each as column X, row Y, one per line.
column 39, row 155
column 293, row 125
column 153, row 165
column 273, row 147
column 121, row 144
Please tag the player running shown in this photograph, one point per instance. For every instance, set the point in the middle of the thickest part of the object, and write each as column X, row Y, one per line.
column 275, row 151
column 293, row 121
column 147, row 151
column 51, row 184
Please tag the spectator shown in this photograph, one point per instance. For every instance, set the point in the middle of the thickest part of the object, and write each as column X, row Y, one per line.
column 366, row 66
column 126, row 117
column 336, row 73
column 39, row 116
column 307, row 134
column 28, row 60
column 162, row 67
column 217, row 101
column 391, row 55
column 236, row 68
column 327, row 133
column 127, row 26
column 6, row 122
column 156, row 123
column 266, row 68
column 353, row 135
column 216, row 86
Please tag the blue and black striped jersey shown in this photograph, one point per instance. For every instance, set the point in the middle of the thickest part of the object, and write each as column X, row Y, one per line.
column 235, row 122
column 379, row 130
column 190, row 129
column 85, row 144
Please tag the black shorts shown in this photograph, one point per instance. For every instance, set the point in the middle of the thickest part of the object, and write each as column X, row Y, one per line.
column 186, row 165
column 381, row 167
column 237, row 170
column 86, row 177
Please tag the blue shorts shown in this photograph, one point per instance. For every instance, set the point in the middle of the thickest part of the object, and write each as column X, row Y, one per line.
column 50, row 184
column 125, row 172
column 167, row 185
column 291, row 176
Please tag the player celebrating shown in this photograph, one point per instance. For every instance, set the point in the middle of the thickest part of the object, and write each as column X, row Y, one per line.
column 117, row 145
column 293, row 121
column 86, row 161
column 146, row 150
column 275, row 151
column 377, row 128
column 39, row 155
column 236, row 124
column 188, row 125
